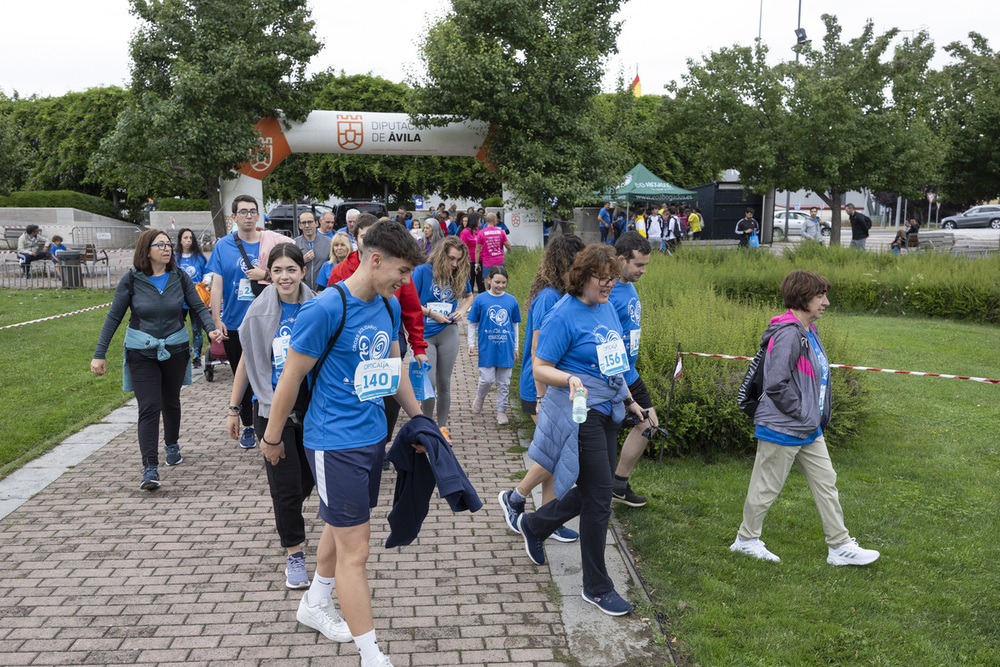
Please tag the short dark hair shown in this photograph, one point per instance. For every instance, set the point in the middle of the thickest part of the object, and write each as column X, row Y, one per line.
column 749, row 210
column 498, row 270
column 242, row 198
column 392, row 239
column 140, row 258
column 597, row 259
column 31, row 229
column 800, row 287
column 364, row 221
column 289, row 250
column 630, row 243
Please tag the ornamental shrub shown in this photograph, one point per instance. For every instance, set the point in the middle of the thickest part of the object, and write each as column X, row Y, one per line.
column 173, row 204
column 59, row 199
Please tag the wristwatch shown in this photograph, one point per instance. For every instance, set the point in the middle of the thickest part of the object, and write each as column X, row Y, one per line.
column 629, row 401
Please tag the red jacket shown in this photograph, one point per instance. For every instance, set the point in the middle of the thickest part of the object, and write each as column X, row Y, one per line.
column 409, row 303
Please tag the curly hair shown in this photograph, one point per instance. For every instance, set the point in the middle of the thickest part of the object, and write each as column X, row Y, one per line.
column 556, row 260
column 597, row 259
column 443, row 275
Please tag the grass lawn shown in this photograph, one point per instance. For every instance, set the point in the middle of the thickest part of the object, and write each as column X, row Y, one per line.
column 920, row 485
column 46, row 388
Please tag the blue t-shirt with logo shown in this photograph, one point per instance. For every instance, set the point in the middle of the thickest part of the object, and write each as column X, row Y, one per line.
column 498, row 317
column 336, row 418
column 432, row 293
column 571, row 332
column 160, row 282
column 193, row 265
column 227, row 262
column 282, row 337
column 537, row 310
column 625, row 299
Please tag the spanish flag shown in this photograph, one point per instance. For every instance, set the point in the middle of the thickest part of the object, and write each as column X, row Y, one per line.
column 636, row 87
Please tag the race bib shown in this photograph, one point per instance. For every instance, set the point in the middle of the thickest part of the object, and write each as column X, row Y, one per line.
column 373, row 379
column 244, row 292
column 279, row 348
column 633, row 341
column 442, row 307
column 611, row 357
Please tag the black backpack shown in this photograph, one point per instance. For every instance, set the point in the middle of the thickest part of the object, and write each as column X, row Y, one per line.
column 752, row 388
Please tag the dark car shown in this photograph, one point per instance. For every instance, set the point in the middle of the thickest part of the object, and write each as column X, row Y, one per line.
column 340, row 211
column 977, row 216
column 282, row 218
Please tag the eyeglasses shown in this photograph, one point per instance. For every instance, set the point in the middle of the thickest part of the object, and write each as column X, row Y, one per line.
column 247, row 213
column 162, row 246
column 604, row 282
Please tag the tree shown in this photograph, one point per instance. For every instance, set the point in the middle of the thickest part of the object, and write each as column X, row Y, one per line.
column 364, row 176
column 14, row 162
column 203, row 73
column 847, row 117
column 970, row 121
column 532, row 71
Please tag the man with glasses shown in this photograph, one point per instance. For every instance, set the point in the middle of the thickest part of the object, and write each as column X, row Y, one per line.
column 238, row 262
column 633, row 256
column 315, row 248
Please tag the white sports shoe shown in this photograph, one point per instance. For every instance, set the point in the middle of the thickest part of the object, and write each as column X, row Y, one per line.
column 754, row 548
column 325, row 619
column 383, row 661
column 851, row 554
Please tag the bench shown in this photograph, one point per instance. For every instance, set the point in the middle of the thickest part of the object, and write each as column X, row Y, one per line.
column 932, row 240
column 711, row 243
column 11, row 235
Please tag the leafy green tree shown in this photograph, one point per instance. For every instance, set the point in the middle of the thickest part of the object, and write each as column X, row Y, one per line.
column 532, row 71
column 203, row 73
column 849, row 116
column 14, row 162
column 970, row 115
column 363, row 176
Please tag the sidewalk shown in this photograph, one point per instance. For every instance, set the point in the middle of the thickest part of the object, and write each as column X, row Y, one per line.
column 95, row 571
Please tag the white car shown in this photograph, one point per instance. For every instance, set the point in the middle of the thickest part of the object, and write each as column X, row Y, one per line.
column 795, row 220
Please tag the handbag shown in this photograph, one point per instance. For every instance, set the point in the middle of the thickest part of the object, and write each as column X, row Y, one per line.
column 754, row 240
column 423, row 388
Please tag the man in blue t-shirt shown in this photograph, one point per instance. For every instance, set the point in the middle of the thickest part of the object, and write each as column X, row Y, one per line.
column 345, row 426
column 233, row 286
column 633, row 257
column 604, row 221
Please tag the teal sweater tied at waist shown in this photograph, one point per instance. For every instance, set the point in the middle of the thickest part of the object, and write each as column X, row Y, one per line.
column 139, row 340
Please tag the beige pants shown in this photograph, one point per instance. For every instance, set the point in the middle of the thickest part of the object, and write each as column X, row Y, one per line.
column 771, row 468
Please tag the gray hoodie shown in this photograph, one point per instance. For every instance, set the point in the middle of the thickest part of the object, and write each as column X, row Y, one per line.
column 256, row 335
column 792, row 381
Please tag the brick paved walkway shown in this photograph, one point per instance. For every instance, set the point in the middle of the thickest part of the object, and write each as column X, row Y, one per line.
column 95, row 571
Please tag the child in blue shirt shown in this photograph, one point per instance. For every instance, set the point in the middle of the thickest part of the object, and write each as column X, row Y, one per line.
column 57, row 245
column 496, row 315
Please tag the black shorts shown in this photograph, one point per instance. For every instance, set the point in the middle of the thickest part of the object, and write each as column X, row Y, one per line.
column 640, row 394
column 529, row 407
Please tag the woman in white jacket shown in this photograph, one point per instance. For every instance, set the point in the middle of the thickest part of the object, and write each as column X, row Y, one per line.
column 264, row 334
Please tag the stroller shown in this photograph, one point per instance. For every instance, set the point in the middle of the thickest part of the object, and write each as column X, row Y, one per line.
column 216, row 355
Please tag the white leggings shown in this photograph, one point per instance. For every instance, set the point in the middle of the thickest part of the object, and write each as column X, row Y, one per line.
column 442, row 351
column 490, row 374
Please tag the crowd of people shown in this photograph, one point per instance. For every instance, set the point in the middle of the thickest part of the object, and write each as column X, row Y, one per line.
column 315, row 329
column 664, row 225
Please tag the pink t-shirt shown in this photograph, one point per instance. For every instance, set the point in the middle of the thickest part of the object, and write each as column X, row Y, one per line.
column 491, row 239
column 468, row 237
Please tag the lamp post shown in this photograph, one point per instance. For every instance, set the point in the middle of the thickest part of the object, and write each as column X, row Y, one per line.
column 800, row 39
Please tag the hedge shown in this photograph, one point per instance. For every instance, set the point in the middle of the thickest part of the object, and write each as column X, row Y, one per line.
column 173, row 204
column 59, row 199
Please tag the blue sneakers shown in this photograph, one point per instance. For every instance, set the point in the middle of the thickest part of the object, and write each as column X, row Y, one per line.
column 610, row 603
column 532, row 545
column 564, row 534
column 248, row 440
column 511, row 510
column 150, row 479
column 295, row 571
column 174, row 454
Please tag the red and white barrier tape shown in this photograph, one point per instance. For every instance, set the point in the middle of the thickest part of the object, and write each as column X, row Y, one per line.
column 863, row 368
column 55, row 317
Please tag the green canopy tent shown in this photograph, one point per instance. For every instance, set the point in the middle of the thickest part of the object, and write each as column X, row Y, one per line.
column 641, row 185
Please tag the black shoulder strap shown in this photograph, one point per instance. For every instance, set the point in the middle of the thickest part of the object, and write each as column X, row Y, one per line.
column 329, row 346
column 239, row 245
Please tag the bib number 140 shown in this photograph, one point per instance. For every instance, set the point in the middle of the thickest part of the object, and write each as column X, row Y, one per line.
column 374, row 379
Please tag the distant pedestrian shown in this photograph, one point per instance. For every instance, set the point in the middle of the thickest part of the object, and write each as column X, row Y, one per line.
column 31, row 247
column 190, row 259
column 315, row 247
column 696, row 222
column 493, row 321
column 604, row 221
column 491, row 244
column 812, row 227
column 860, row 224
column 746, row 228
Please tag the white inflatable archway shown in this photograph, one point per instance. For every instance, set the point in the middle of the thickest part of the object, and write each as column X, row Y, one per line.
column 364, row 133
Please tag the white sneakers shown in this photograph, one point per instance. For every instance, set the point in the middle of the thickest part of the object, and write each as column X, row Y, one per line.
column 753, row 548
column 325, row 619
column 847, row 554
column 851, row 554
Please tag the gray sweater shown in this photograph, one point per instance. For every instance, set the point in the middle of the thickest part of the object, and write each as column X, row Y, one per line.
column 256, row 335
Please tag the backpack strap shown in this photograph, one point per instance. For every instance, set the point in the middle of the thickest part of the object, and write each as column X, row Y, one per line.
column 329, row 346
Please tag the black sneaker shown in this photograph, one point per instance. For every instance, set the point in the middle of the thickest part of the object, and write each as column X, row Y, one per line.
column 150, row 479
column 628, row 497
column 532, row 545
column 196, row 362
column 174, row 454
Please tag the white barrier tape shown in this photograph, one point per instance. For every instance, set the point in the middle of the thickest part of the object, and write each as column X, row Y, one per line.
column 864, row 368
column 55, row 317
column 39, row 226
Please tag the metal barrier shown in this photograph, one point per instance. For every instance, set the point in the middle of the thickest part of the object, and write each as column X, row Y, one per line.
column 107, row 238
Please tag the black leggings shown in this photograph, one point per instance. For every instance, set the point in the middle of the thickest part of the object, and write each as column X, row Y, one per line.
column 157, row 387
column 290, row 482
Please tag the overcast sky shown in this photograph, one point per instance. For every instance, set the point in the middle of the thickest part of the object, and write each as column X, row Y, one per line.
column 50, row 47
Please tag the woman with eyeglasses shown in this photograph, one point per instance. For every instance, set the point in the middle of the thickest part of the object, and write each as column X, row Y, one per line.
column 157, row 355
column 580, row 350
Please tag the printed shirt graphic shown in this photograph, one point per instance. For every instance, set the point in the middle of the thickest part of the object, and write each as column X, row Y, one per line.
column 571, row 333
column 227, row 262
column 537, row 311
column 430, row 292
column 492, row 240
column 279, row 348
column 497, row 317
column 336, row 418
column 824, row 367
column 625, row 300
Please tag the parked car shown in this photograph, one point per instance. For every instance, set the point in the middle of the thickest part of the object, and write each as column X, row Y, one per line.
column 977, row 216
column 340, row 211
column 282, row 218
column 795, row 220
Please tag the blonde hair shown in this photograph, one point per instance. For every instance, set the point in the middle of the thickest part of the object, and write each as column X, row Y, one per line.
column 340, row 238
column 443, row 275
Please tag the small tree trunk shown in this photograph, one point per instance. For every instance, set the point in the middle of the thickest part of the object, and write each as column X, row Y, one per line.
column 832, row 199
column 215, row 204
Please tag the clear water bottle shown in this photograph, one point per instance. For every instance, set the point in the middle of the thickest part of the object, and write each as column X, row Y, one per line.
column 580, row 406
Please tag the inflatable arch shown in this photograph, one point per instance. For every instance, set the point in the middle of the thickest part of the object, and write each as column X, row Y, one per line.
column 367, row 133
